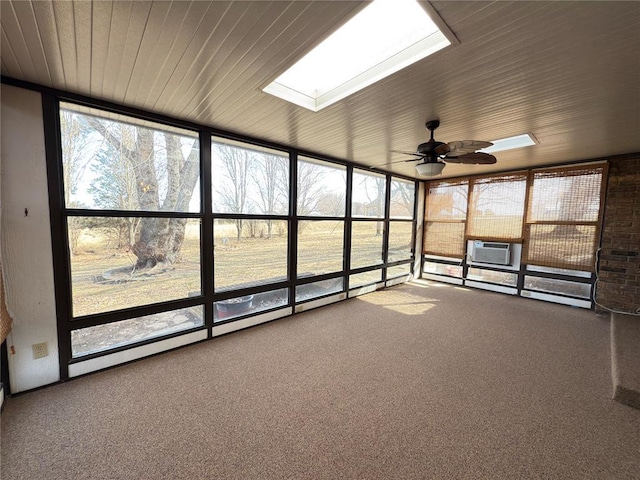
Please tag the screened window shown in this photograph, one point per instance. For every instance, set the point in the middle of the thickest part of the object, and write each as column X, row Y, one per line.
column 445, row 217
column 322, row 188
column 369, row 192
column 122, row 170
column 248, row 179
column 400, row 240
column 496, row 207
column 249, row 252
column 99, row 338
column 320, row 247
column 563, row 217
column 115, row 162
column 402, row 199
column 365, row 278
column 366, row 243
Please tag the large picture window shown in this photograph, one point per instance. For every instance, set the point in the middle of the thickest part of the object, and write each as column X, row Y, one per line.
column 115, row 169
column 249, row 179
column 170, row 234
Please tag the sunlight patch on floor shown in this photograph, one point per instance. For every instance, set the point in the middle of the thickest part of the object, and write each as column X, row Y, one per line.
column 401, row 302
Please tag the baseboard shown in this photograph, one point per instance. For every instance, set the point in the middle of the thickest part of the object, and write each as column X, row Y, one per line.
column 626, row 396
column 625, row 359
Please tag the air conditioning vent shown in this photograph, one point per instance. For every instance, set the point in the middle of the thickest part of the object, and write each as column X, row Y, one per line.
column 491, row 252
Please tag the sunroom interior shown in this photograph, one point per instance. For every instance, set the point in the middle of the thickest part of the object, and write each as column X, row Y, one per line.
column 156, row 195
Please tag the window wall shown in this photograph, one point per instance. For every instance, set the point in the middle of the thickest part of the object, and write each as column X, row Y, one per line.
column 544, row 223
column 169, row 231
column 133, row 228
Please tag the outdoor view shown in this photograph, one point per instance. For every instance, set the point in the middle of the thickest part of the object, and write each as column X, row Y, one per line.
column 112, row 164
column 558, row 226
column 134, row 225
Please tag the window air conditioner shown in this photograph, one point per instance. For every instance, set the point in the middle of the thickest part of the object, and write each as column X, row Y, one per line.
column 491, row 252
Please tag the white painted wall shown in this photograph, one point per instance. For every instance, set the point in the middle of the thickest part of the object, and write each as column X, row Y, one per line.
column 26, row 240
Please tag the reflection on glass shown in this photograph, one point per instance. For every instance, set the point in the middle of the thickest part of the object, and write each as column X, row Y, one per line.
column 90, row 340
column 502, row 278
column 402, row 199
column 249, row 304
column 318, row 289
column 368, row 195
column 563, row 287
column 400, row 234
column 122, row 163
column 249, row 252
column 442, row 269
column 321, row 188
column 365, row 278
column 366, row 243
column 119, row 262
column 249, row 179
column 320, row 247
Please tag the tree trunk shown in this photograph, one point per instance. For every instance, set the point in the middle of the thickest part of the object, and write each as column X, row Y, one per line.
column 160, row 241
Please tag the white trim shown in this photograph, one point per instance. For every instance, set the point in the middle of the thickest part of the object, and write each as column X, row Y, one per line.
column 303, row 307
column 1, row 396
column 355, row 292
column 442, row 278
column 493, row 288
column 573, row 302
column 249, row 322
column 110, row 360
column 398, row 280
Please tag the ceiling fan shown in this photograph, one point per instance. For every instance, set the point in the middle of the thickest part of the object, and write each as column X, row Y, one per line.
column 433, row 154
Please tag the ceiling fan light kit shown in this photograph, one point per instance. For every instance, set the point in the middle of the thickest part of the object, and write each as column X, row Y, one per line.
column 430, row 169
column 433, row 154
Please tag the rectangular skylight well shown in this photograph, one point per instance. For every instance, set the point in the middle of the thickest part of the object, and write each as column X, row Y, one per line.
column 509, row 143
column 386, row 36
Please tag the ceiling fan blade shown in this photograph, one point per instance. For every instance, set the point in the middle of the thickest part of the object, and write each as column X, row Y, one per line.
column 477, row 158
column 442, row 149
column 404, row 152
column 396, row 161
column 462, row 147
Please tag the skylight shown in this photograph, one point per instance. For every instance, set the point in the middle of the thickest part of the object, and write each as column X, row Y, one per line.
column 518, row 141
column 386, row 36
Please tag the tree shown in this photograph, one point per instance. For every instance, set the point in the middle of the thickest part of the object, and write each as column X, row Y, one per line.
column 270, row 178
column 374, row 187
column 115, row 189
column 75, row 143
column 144, row 152
column 309, row 187
column 331, row 204
column 402, row 197
column 236, row 167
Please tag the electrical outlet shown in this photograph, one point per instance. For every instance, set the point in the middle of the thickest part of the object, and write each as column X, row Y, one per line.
column 40, row 350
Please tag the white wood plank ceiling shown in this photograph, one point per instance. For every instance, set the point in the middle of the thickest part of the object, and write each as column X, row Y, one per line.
column 568, row 72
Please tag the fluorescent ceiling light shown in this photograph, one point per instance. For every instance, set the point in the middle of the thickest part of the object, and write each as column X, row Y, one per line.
column 386, row 36
column 518, row 141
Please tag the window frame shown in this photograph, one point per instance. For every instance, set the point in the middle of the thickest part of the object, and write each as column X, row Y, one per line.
column 206, row 300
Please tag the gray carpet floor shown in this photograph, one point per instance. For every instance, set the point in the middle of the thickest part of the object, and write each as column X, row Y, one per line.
column 418, row 381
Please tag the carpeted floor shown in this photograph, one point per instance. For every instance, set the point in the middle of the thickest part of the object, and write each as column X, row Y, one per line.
column 419, row 381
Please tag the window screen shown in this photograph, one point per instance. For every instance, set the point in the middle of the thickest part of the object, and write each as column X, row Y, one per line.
column 496, row 207
column 563, row 217
column 445, row 216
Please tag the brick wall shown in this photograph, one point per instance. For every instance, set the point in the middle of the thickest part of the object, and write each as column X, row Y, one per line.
column 619, row 273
